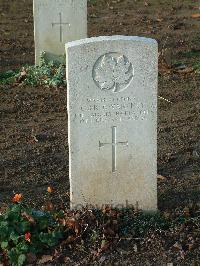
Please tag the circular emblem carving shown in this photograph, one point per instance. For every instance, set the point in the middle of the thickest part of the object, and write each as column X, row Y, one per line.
column 113, row 71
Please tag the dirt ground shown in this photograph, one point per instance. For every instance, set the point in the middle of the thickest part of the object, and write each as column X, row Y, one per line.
column 33, row 121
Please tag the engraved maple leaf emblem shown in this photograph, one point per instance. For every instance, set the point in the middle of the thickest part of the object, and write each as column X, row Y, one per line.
column 113, row 71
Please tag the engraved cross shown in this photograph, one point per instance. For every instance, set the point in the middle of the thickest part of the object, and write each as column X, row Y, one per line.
column 60, row 23
column 114, row 147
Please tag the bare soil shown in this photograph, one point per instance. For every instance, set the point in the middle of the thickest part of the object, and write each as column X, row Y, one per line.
column 33, row 120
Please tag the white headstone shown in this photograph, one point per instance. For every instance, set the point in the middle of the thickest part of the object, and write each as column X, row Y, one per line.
column 57, row 22
column 112, row 108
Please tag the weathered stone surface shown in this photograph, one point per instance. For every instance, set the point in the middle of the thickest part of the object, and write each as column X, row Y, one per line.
column 112, row 108
column 57, row 22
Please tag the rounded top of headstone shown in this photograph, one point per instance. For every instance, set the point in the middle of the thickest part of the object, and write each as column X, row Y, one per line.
column 110, row 38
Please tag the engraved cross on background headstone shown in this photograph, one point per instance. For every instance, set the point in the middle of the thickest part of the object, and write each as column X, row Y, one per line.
column 60, row 23
column 114, row 147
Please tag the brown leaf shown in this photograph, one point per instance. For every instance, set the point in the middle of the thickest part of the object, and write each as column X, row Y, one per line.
column 106, row 209
column 28, row 217
column 197, row 15
column 77, row 229
column 56, row 253
column 161, row 178
column 70, row 239
column 186, row 211
column 185, row 70
column 3, row 208
column 164, row 66
column 22, row 76
column 70, row 222
column 73, row 224
column 177, row 246
column 48, row 206
column 104, row 245
column 62, row 221
column 190, row 246
column 45, row 259
column 67, row 259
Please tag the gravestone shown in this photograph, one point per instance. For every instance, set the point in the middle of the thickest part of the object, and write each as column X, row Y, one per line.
column 55, row 23
column 112, row 114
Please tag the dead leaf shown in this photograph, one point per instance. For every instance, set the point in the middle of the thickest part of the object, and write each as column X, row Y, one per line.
column 185, row 70
column 164, row 65
column 67, row 259
column 104, row 245
column 3, row 208
column 186, row 211
column 22, row 75
column 28, row 217
column 73, row 224
column 70, row 222
column 177, row 246
column 45, row 259
column 161, row 178
column 48, row 206
column 106, row 209
column 62, row 221
column 70, row 239
column 195, row 15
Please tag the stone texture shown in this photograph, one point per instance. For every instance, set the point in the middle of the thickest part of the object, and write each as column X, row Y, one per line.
column 57, row 22
column 112, row 109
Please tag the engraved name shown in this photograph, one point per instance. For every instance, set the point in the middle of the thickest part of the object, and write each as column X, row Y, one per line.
column 103, row 110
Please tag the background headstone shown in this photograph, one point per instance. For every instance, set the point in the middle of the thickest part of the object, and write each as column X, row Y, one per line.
column 112, row 108
column 57, row 22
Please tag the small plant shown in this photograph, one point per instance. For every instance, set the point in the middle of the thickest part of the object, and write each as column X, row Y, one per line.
column 8, row 77
column 24, row 230
column 50, row 74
